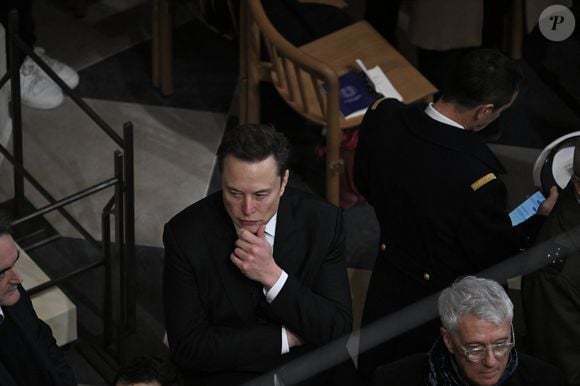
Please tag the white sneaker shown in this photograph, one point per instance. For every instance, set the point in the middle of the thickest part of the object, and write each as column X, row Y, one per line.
column 67, row 74
column 36, row 89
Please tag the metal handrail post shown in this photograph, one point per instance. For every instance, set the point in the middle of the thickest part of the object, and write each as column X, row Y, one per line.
column 108, row 322
column 121, row 330
column 68, row 200
column 129, row 217
column 16, row 113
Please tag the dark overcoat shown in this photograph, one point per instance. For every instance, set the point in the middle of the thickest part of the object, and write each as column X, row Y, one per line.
column 37, row 335
column 441, row 208
column 551, row 295
column 411, row 371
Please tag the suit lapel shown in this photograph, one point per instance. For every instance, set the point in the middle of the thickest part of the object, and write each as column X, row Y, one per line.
column 25, row 320
column 287, row 237
column 5, row 377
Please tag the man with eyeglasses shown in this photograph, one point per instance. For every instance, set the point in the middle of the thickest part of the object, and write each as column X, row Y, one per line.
column 29, row 355
column 476, row 346
column 437, row 193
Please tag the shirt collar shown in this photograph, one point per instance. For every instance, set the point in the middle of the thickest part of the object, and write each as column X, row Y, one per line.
column 436, row 115
column 271, row 225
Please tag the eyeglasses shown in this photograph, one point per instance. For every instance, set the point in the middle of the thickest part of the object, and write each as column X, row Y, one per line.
column 477, row 353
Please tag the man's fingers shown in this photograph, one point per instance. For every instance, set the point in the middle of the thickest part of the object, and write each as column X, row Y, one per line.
column 248, row 236
column 236, row 260
column 546, row 207
column 261, row 233
column 240, row 254
column 243, row 244
column 251, row 237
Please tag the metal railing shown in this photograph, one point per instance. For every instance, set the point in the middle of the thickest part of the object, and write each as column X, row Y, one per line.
column 119, row 301
column 418, row 313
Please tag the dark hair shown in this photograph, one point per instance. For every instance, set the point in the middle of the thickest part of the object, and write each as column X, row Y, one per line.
column 254, row 143
column 483, row 76
column 147, row 369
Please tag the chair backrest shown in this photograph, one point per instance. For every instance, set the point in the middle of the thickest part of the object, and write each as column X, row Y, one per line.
column 297, row 76
column 307, row 77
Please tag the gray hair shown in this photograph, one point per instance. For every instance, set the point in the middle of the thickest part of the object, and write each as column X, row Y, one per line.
column 483, row 298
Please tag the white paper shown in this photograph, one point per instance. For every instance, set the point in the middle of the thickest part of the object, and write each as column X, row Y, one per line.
column 380, row 81
column 562, row 166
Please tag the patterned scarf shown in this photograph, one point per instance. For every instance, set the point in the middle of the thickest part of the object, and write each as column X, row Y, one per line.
column 443, row 370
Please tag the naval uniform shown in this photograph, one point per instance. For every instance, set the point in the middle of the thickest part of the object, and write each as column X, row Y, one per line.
column 441, row 209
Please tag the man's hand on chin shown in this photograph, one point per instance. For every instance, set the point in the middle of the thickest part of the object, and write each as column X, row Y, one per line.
column 253, row 257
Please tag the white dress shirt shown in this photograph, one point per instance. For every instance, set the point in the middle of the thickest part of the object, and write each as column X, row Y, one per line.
column 436, row 115
column 270, row 233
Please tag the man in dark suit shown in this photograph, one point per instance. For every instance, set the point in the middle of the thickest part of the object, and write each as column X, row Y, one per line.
column 434, row 185
column 476, row 346
column 255, row 274
column 29, row 355
column 551, row 295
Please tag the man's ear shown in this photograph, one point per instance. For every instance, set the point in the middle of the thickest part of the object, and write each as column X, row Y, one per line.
column 482, row 111
column 576, row 181
column 284, row 181
column 446, row 339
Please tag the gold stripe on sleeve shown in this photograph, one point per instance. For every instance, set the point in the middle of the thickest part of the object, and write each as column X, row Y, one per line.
column 376, row 103
column 482, row 181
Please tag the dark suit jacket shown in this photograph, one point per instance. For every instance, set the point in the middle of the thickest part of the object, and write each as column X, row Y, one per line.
column 437, row 222
column 551, row 295
column 412, row 371
column 38, row 336
column 221, row 330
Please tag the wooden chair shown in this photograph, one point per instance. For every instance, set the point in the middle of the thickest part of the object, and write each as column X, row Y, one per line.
column 299, row 72
column 79, row 7
column 162, row 45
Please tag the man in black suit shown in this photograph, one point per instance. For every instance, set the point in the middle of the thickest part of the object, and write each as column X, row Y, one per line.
column 255, row 274
column 434, row 185
column 476, row 346
column 551, row 295
column 29, row 355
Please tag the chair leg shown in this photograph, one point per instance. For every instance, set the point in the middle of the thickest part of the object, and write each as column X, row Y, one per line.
column 81, row 8
column 253, row 72
column 334, row 165
column 243, row 86
column 517, row 31
column 155, row 41
column 162, row 46
column 166, row 47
